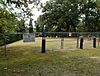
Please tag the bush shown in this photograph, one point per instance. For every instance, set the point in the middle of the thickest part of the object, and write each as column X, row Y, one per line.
column 9, row 38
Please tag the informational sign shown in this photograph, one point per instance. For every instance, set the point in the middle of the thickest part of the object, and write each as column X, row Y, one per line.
column 29, row 37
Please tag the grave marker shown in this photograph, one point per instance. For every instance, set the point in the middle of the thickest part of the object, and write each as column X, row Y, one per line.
column 29, row 37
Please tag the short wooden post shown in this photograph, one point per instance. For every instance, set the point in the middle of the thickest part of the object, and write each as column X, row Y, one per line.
column 94, row 42
column 81, row 42
column 43, row 45
column 62, row 43
column 77, row 45
column 98, row 40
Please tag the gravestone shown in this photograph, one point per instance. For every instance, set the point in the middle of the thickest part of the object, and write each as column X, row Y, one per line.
column 29, row 37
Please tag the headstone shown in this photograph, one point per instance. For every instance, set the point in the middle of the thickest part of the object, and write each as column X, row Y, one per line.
column 29, row 37
column 56, row 36
column 70, row 34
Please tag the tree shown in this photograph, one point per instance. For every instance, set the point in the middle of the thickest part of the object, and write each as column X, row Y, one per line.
column 39, row 24
column 8, row 21
column 30, row 26
column 70, row 15
column 22, row 6
column 60, row 15
column 98, row 17
column 21, row 26
column 91, row 16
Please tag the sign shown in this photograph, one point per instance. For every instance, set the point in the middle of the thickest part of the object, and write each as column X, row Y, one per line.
column 29, row 37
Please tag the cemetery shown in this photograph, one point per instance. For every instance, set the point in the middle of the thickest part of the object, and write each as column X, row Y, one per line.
column 49, row 37
column 56, row 54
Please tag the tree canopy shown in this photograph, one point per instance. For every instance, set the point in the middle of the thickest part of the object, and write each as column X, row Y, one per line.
column 70, row 15
column 8, row 21
column 59, row 15
column 21, row 17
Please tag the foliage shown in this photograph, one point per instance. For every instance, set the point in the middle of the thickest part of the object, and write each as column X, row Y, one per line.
column 80, row 27
column 39, row 24
column 19, row 3
column 21, row 26
column 8, row 21
column 92, row 16
column 67, row 15
column 9, row 38
column 60, row 15
column 25, row 12
column 30, row 26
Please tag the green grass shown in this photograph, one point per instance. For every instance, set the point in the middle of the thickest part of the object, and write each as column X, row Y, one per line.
column 26, row 60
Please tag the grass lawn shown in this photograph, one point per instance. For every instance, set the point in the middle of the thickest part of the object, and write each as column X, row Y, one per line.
column 25, row 60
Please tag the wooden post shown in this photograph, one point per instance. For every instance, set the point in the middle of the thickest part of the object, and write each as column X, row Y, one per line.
column 94, row 42
column 43, row 40
column 43, row 45
column 77, row 45
column 81, row 42
column 62, row 43
column 98, row 40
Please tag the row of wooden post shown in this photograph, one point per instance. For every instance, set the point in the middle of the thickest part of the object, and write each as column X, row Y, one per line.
column 81, row 43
